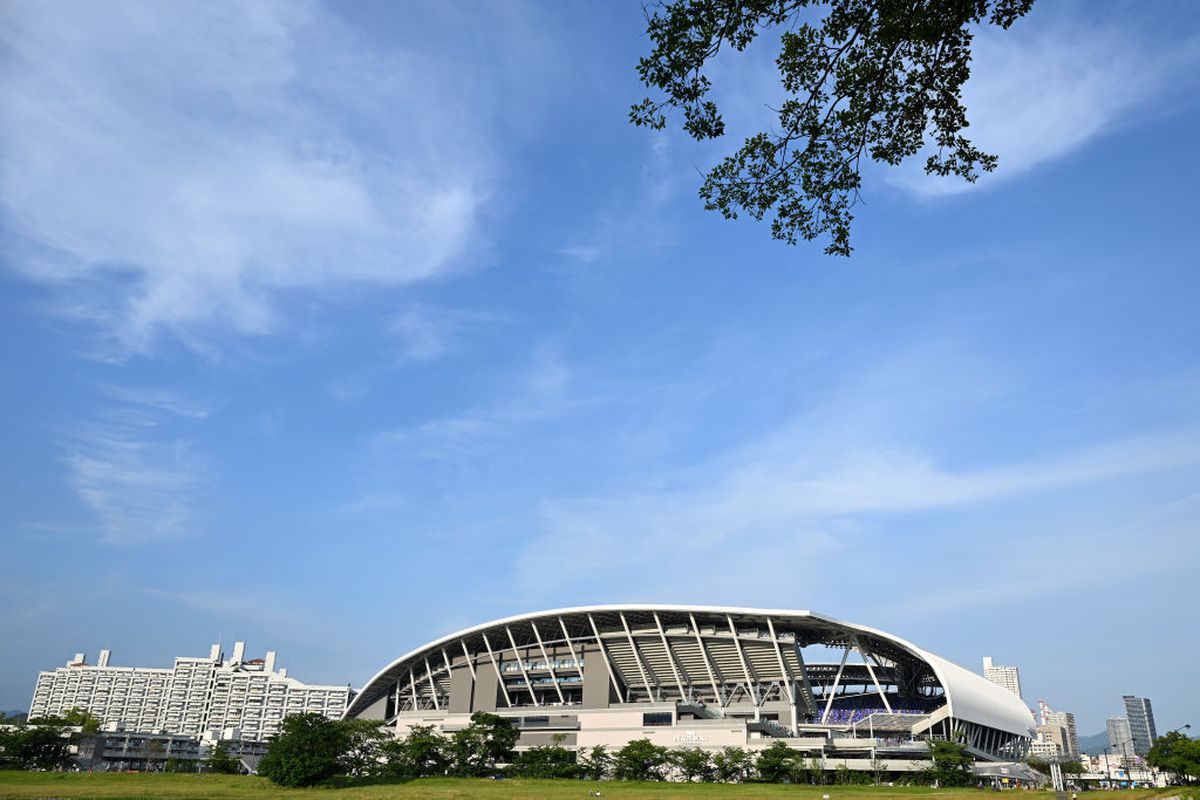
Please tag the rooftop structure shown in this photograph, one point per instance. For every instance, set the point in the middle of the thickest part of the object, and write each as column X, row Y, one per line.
column 195, row 696
column 702, row 676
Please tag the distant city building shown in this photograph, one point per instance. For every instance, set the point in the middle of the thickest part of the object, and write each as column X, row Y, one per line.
column 1141, row 723
column 1008, row 677
column 1050, row 742
column 196, row 696
column 1064, row 720
column 1119, row 739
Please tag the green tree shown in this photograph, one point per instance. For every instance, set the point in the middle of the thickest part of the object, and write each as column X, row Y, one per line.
column 307, row 751
column 732, row 764
column 693, row 764
column 220, row 760
column 878, row 770
column 952, row 764
column 476, row 749
column 77, row 717
column 814, row 771
column 863, row 79
column 640, row 760
column 42, row 744
column 1174, row 752
column 422, row 753
column 595, row 764
column 546, row 762
column 364, row 753
column 779, row 763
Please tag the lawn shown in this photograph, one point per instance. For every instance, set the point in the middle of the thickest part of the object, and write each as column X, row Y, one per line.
column 217, row 787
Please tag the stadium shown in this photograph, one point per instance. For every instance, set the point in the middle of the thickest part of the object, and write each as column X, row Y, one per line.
column 702, row 676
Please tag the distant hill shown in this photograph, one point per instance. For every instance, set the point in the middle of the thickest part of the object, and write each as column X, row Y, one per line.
column 15, row 715
column 1094, row 745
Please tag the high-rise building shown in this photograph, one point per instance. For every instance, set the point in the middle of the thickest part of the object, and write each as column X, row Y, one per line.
column 1119, row 740
column 1008, row 677
column 195, row 696
column 1141, row 723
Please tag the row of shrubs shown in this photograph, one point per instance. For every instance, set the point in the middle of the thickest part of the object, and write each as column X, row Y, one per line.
column 311, row 749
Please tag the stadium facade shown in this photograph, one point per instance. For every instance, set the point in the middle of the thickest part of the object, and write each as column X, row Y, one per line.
column 702, row 676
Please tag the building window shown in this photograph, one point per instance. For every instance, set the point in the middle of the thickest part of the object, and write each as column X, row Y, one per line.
column 651, row 720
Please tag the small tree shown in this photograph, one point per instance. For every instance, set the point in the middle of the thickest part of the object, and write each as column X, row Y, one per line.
column 595, row 764
column 307, row 751
column 179, row 765
column 422, row 753
column 640, row 760
column 87, row 722
column 878, row 769
column 732, row 765
column 779, row 763
column 220, row 760
column 42, row 744
column 952, row 764
column 692, row 763
column 546, row 762
column 815, row 771
column 364, row 753
column 477, row 748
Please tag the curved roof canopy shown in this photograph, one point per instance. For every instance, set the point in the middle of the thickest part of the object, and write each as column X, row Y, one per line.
column 969, row 696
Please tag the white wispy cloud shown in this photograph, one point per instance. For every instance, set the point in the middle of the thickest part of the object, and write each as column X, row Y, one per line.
column 1047, row 87
column 136, row 472
column 794, row 499
column 427, row 333
column 541, row 391
column 181, row 167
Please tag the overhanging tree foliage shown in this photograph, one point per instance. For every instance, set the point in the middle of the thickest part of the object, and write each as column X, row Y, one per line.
column 873, row 79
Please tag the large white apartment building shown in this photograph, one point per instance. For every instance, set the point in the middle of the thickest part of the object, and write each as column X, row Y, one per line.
column 194, row 696
column 1008, row 677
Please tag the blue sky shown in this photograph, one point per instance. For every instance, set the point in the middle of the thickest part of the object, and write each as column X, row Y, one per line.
column 336, row 329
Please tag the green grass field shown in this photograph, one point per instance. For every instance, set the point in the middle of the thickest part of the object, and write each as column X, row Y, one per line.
column 203, row 787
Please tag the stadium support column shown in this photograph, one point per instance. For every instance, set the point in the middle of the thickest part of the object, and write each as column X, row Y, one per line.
column 549, row 662
column 603, row 652
column 637, row 658
column 432, row 686
column 521, row 663
column 707, row 664
column 783, row 672
column 837, row 680
column 496, row 666
column 871, row 671
column 751, row 687
column 670, row 658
